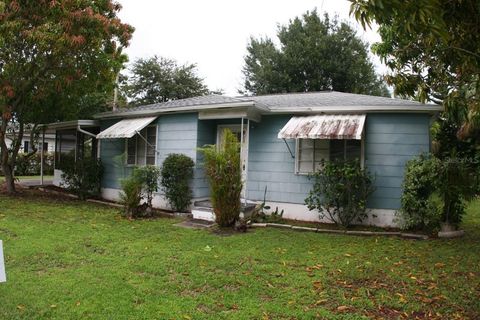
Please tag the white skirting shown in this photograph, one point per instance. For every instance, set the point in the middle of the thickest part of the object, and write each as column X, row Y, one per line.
column 293, row 211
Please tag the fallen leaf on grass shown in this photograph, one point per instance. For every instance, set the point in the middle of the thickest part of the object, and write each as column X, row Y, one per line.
column 342, row 308
column 321, row 301
column 317, row 284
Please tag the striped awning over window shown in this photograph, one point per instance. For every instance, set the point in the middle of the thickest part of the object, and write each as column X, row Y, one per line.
column 331, row 126
column 126, row 128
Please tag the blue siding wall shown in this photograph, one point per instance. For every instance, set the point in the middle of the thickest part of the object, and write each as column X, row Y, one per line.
column 391, row 140
column 207, row 134
column 271, row 165
column 176, row 133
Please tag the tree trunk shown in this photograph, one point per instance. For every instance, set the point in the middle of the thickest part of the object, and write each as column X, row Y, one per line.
column 9, row 179
column 8, row 161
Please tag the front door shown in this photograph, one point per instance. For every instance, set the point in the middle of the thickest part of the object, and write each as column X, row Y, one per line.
column 237, row 130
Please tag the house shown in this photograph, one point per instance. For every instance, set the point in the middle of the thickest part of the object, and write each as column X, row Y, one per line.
column 26, row 147
column 283, row 137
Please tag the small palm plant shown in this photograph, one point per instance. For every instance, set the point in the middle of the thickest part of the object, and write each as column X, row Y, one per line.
column 222, row 167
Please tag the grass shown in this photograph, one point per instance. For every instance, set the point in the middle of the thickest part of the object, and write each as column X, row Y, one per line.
column 74, row 260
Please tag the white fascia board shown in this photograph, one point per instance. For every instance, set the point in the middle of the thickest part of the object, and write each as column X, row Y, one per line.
column 156, row 112
column 70, row 124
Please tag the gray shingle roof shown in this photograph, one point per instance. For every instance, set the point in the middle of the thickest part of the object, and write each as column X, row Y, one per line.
column 277, row 102
column 327, row 99
column 189, row 102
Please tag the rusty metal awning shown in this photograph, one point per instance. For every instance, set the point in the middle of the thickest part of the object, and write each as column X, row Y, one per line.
column 331, row 126
column 126, row 128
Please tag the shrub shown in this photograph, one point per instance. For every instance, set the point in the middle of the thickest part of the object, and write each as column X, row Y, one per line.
column 148, row 177
column 456, row 186
column 30, row 166
column 434, row 191
column 419, row 200
column 340, row 192
column 83, row 177
column 222, row 167
column 131, row 196
column 176, row 173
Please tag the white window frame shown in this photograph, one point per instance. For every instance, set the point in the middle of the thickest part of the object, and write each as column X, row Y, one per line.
column 136, row 137
column 297, row 155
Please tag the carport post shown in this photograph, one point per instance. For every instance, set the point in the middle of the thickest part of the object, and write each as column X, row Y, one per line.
column 41, row 156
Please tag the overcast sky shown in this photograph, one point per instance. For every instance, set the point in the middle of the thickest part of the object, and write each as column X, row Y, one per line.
column 214, row 33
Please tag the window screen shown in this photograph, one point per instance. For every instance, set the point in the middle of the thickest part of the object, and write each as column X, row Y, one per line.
column 311, row 152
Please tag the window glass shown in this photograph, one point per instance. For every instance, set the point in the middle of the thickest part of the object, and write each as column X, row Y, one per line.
column 152, row 141
column 337, row 150
column 311, row 152
column 141, row 148
column 131, row 145
column 353, row 149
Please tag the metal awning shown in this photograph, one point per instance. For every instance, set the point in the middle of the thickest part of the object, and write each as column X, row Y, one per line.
column 331, row 126
column 126, row 128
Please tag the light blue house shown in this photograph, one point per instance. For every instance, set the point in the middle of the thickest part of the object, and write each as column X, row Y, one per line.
column 283, row 137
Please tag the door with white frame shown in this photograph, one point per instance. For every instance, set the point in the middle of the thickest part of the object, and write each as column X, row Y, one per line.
column 243, row 139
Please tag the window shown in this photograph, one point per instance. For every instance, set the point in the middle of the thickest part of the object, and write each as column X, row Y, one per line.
column 45, row 146
column 141, row 149
column 26, row 144
column 311, row 152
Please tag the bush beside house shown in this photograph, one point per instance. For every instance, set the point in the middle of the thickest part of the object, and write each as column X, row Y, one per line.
column 83, row 177
column 222, row 167
column 176, row 173
column 340, row 192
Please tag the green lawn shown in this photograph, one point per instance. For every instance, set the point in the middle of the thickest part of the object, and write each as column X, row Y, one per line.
column 73, row 260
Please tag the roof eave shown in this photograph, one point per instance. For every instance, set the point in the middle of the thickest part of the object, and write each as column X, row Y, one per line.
column 159, row 111
column 70, row 124
column 358, row 109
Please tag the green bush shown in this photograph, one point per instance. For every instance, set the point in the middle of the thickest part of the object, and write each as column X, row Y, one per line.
column 148, row 177
column 83, row 177
column 222, row 167
column 176, row 173
column 340, row 192
column 30, row 166
column 434, row 191
column 131, row 196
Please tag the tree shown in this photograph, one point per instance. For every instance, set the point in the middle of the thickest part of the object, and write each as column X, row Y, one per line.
column 158, row 79
column 315, row 54
column 433, row 50
column 51, row 53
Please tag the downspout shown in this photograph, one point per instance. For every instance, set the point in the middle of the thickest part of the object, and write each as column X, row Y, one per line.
column 244, row 191
column 79, row 129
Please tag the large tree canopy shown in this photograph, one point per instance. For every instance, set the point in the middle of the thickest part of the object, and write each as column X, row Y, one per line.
column 158, row 79
column 315, row 54
column 433, row 50
column 51, row 53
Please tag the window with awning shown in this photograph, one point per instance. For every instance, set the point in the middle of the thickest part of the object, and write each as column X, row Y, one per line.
column 324, row 138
